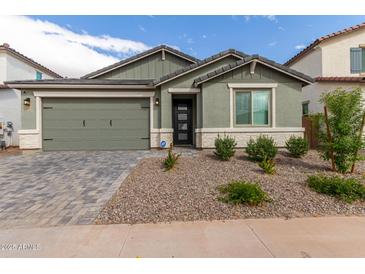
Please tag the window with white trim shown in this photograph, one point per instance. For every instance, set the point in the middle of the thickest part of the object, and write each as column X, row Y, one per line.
column 357, row 60
column 252, row 108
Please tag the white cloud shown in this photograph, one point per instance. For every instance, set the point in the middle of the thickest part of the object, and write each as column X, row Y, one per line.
column 141, row 28
column 247, row 18
column 281, row 28
column 271, row 18
column 272, row 44
column 204, row 36
column 62, row 50
column 299, row 46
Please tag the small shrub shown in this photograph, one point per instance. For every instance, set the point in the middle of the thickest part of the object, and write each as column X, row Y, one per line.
column 224, row 147
column 297, row 146
column 171, row 159
column 240, row 192
column 268, row 165
column 261, row 148
column 348, row 190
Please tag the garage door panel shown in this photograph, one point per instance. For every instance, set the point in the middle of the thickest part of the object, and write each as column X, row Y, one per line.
column 93, row 124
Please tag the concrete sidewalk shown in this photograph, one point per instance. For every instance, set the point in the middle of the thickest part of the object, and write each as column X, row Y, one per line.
column 304, row 237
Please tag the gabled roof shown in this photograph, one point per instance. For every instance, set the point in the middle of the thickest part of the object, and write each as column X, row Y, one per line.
column 140, row 56
column 200, row 64
column 5, row 47
column 254, row 58
column 321, row 39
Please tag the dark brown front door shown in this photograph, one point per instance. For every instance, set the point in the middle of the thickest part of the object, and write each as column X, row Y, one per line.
column 183, row 122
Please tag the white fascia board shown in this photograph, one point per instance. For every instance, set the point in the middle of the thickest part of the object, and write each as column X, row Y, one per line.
column 95, row 94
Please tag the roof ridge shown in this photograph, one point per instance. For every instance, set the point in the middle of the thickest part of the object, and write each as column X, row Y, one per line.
column 6, row 47
column 140, row 55
column 321, row 39
column 246, row 60
column 200, row 63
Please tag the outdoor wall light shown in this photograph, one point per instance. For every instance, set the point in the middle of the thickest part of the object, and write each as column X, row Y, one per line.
column 157, row 101
column 27, row 102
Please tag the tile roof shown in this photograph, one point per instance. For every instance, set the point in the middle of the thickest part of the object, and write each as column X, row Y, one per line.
column 341, row 79
column 249, row 59
column 321, row 39
column 203, row 62
column 10, row 50
column 138, row 56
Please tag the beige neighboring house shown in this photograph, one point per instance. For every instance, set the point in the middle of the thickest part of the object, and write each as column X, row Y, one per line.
column 335, row 61
column 16, row 66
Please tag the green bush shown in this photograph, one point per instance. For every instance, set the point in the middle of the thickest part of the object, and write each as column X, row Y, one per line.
column 261, row 148
column 224, row 147
column 345, row 122
column 240, row 192
column 297, row 146
column 348, row 190
column 268, row 165
column 171, row 159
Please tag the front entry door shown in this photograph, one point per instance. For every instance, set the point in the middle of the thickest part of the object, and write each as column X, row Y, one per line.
column 183, row 122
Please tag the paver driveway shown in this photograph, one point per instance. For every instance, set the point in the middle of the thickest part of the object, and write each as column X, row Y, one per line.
column 57, row 188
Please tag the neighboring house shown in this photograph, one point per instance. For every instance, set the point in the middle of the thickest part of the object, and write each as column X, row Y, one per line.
column 335, row 61
column 162, row 96
column 15, row 66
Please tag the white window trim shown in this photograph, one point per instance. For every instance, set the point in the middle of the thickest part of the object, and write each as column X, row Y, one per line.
column 91, row 94
column 232, row 89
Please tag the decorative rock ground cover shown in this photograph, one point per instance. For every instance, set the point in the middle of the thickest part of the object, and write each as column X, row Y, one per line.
column 189, row 191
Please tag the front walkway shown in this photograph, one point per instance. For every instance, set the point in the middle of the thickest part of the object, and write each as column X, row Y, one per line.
column 61, row 188
column 305, row 237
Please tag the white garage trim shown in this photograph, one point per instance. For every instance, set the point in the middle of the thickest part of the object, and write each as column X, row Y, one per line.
column 32, row 138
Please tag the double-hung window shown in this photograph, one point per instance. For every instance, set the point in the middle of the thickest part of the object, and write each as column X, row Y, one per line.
column 357, row 60
column 252, row 108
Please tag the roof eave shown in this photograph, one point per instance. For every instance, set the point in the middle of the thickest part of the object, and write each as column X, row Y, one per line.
column 75, row 86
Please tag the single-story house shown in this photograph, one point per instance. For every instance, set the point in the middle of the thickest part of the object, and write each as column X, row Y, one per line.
column 162, row 96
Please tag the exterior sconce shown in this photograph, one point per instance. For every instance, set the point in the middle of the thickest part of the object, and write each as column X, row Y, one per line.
column 157, row 101
column 27, row 102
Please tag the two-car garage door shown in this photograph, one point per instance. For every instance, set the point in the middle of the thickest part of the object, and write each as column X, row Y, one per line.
column 95, row 123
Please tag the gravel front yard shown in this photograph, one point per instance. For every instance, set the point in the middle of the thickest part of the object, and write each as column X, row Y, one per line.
column 189, row 191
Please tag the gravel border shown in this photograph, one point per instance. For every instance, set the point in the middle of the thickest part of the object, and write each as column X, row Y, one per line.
column 189, row 191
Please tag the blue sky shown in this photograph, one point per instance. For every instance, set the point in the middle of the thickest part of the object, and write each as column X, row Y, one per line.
column 273, row 37
column 103, row 40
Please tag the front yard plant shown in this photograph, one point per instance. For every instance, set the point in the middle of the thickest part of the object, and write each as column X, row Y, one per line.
column 348, row 190
column 268, row 166
column 225, row 147
column 241, row 192
column 297, row 146
column 261, row 148
column 171, row 159
column 344, row 118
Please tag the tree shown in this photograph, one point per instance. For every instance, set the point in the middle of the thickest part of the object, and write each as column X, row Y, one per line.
column 344, row 118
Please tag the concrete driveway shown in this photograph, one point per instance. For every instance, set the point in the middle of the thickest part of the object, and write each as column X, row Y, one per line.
column 60, row 188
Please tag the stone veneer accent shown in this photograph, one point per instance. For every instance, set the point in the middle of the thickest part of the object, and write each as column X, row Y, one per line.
column 163, row 134
column 29, row 139
column 205, row 139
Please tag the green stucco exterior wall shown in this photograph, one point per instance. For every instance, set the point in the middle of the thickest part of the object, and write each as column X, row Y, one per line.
column 150, row 67
column 28, row 113
column 215, row 93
